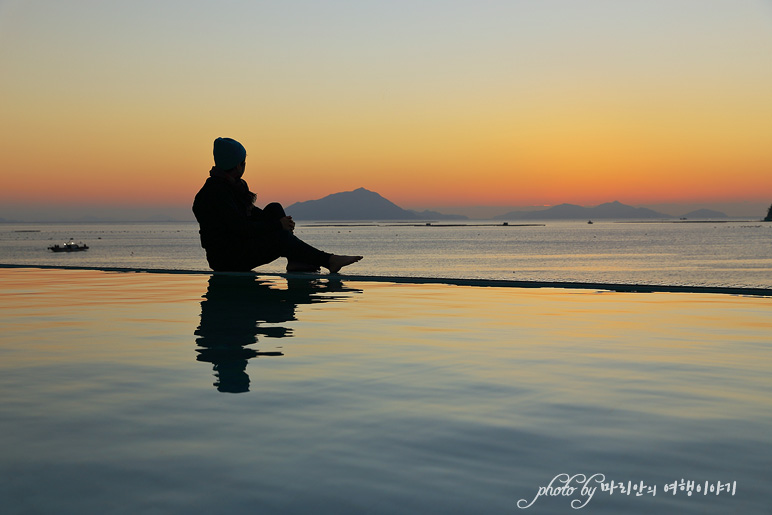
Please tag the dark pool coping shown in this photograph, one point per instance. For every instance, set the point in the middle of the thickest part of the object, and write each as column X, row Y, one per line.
column 500, row 283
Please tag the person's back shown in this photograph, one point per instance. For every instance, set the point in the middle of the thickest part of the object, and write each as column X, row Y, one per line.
column 224, row 225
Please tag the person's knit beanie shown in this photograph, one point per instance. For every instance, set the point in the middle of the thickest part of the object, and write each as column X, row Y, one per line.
column 228, row 153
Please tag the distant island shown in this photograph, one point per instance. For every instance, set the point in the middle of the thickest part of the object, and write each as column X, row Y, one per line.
column 608, row 211
column 615, row 210
column 768, row 218
column 363, row 204
column 360, row 204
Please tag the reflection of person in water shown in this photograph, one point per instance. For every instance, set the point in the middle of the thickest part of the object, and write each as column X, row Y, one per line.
column 236, row 309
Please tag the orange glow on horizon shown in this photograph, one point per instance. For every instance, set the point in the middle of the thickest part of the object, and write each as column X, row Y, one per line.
column 638, row 110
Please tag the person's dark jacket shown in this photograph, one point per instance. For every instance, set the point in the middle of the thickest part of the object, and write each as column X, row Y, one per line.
column 229, row 223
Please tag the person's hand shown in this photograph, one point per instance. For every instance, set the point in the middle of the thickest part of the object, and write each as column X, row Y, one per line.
column 287, row 224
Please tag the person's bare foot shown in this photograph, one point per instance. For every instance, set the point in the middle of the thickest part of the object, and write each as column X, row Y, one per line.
column 299, row 266
column 338, row 262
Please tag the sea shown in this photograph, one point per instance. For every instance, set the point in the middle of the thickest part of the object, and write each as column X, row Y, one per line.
column 379, row 390
column 735, row 253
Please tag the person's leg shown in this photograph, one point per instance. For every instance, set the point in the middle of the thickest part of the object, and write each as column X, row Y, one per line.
column 273, row 211
column 300, row 255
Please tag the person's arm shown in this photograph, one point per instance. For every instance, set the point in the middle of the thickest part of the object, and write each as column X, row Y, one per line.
column 287, row 223
column 220, row 215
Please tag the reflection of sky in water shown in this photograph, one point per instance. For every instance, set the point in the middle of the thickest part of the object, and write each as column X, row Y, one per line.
column 371, row 397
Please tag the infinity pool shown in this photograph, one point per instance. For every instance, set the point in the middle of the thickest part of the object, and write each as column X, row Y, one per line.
column 196, row 393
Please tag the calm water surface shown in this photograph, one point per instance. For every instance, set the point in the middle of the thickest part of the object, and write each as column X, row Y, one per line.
column 177, row 393
column 694, row 254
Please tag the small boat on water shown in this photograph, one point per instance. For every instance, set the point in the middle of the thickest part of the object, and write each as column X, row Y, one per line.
column 69, row 246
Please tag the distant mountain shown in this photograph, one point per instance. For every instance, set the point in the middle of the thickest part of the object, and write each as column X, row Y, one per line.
column 705, row 214
column 360, row 204
column 610, row 210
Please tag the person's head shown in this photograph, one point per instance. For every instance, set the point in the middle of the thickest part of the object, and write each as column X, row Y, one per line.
column 229, row 156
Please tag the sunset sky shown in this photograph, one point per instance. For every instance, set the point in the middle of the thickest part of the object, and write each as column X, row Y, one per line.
column 431, row 103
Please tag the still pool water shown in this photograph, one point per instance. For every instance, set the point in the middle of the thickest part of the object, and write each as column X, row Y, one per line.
column 184, row 393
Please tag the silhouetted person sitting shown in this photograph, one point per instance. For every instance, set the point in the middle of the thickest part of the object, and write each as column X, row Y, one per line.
column 237, row 235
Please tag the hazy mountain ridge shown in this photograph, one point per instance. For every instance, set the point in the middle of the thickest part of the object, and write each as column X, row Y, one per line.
column 363, row 204
column 609, row 210
column 360, row 204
